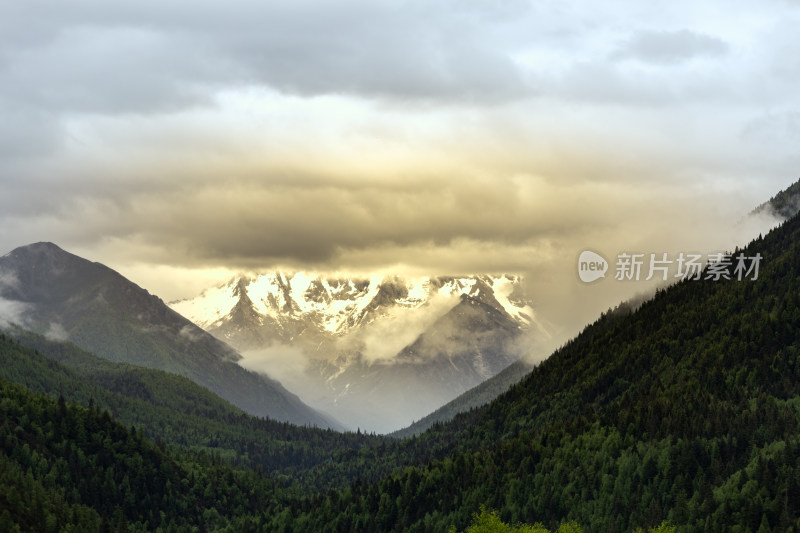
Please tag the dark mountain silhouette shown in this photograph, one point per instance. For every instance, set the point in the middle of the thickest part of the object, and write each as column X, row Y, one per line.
column 61, row 295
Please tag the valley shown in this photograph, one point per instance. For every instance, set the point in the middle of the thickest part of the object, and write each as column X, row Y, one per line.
column 376, row 353
column 679, row 412
column 399, row 267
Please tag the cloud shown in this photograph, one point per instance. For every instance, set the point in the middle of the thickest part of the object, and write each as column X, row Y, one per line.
column 384, row 338
column 11, row 311
column 190, row 333
column 25, row 132
column 287, row 364
column 8, row 280
column 671, row 47
column 249, row 224
column 105, row 70
column 610, row 83
column 146, row 61
column 774, row 128
column 56, row 332
column 144, row 57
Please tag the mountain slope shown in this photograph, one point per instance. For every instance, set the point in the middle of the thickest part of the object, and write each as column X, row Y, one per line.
column 469, row 344
column 62, row 295
column 686, row 410
column 376, row 353
column 477, row 396
column 484, row 392
column 165, row 407
column 783, row 205
column 70, row 468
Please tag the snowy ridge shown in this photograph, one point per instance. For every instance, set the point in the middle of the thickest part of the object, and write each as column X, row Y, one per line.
column 209, row 307
column 336, row 306
column 375, row 351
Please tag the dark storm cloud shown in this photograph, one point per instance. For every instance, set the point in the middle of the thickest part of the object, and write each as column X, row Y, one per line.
column 249, row 226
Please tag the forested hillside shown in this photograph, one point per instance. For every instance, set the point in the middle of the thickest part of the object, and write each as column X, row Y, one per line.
column 69, row 468
column 65, row 296
column 685, row 411
column 473, row 398
column 783, row 205
column 168, row 408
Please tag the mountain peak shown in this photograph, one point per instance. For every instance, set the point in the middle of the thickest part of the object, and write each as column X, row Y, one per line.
column 331, row 306
column 49, row 255
column 38, row 249
column 42, row 245
column 783, row 205
column 363, row 346
column 103, row 312
column 44, row 272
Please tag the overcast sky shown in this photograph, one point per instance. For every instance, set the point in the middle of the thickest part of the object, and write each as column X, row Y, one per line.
column 179, row 142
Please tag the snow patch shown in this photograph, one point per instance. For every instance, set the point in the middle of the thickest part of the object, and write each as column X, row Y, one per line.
column 503, row 288
column 211, row 306
column 337, row 306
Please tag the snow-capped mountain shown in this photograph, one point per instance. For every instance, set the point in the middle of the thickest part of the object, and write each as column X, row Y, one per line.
column 375, row 352
column 278, row 302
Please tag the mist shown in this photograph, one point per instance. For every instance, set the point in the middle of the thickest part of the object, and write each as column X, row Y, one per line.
column 12, row 312
column 382, row 339
column 56, row 332
column 566, row 305
column 287, row 364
